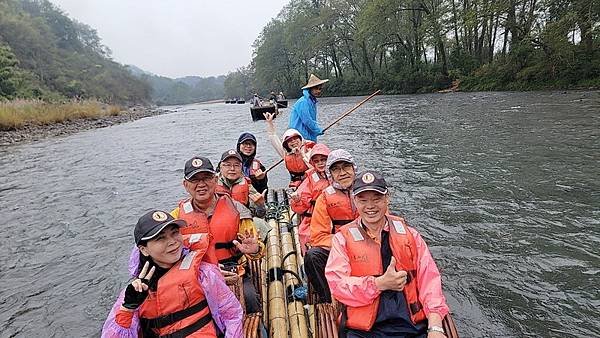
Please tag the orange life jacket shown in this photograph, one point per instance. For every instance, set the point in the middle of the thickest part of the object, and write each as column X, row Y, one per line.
column 239, row 192
column 340, row 208
column 178, row 306
column 365, row 260
column 223, row 226
column 317, row 184
column 294, row 162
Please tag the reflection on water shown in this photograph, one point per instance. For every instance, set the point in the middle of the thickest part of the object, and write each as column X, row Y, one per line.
column 503, row 186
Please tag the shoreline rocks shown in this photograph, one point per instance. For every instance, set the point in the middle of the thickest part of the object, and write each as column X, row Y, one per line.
column 35, row 132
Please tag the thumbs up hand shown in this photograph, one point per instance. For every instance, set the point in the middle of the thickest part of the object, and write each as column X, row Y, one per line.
column 391, row 279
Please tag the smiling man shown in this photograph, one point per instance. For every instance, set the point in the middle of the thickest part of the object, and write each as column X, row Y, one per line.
column 229, row 224
column 382, row 270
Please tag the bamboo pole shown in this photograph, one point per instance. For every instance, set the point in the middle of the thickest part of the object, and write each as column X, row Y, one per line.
column 277, row 310
column 334, row 122
column 296, row 316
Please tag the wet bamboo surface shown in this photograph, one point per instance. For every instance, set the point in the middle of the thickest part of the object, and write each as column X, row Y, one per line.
column 276, row 293
column 296, row 312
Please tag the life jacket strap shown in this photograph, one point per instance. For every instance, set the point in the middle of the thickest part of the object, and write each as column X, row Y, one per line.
column 188, row 330
column 230, row 260
column 224, row 245
column 415, row 307
column 337, row 223
column 166, row 320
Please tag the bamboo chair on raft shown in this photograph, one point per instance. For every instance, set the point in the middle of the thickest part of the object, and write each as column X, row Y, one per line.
column 252, row 321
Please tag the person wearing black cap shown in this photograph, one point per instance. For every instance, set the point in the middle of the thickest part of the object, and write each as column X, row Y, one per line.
column 382, row 270
column 164, row 265
column 251, row 166
column 232, row 182
column 234, row 238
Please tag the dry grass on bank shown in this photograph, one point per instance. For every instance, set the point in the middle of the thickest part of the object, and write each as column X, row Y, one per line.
column 17, row 113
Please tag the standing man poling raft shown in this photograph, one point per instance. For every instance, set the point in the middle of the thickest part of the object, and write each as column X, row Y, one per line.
column 382, row 270
column 175, row 293
column 251, row 166
column 303, row 116
column 234, row 238
column 333, row 208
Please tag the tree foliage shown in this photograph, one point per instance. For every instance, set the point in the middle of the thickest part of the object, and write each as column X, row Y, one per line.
column 422, row 45
column 59, row 57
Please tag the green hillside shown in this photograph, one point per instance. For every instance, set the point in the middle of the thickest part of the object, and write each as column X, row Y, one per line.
column 45, row 54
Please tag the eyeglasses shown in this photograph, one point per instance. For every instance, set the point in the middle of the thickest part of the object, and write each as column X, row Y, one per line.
column 337, row 169
column 201, row 178
column 230, row 166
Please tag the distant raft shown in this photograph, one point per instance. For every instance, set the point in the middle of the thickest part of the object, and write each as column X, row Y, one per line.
column 257, row 112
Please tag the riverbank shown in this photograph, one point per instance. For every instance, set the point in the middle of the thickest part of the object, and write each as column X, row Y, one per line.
column 30, row 131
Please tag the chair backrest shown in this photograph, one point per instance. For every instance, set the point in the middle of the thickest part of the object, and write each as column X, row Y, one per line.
column 449, row 327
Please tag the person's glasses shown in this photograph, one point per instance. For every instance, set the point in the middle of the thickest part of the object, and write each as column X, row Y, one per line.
column 202, row 178
column 231, row 166
column 347, row 167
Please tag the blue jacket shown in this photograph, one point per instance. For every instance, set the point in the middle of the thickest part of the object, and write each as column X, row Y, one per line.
column 303, row 117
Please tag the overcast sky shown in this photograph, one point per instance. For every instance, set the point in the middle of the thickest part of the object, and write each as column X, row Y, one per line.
column 177, row 37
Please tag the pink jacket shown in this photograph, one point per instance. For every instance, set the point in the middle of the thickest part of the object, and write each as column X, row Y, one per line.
column 305, row 191
column 359, row 291
column 224, row 307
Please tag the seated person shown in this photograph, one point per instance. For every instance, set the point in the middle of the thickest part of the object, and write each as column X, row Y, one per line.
column 251, row 166
column 233, row 235
column 293, row 149
column 333, row 208
column 154, row 303
column 232, row 182
column 382, row 270
column 303, row 200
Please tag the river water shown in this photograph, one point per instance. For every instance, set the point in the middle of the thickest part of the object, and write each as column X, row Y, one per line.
column 505, row 188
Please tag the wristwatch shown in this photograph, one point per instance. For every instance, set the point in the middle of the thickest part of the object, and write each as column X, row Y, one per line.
column 436, row 329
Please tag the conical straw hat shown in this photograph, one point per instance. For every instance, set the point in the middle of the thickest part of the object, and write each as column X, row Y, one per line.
column 314, row 81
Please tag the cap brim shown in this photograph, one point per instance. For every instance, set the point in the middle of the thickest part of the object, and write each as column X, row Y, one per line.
column 316, row 84
column 157, row 229
column 363, row 189
column 239, row 158
column 247, row 138
column 190, row 175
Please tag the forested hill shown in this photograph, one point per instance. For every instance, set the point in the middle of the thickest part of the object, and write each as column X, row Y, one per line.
column 407, row 46
column 45, row 54
column 189, row 89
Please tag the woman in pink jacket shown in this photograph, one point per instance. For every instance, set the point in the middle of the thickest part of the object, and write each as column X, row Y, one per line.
column 381, row 269
column 174, row 293
column 303, row 199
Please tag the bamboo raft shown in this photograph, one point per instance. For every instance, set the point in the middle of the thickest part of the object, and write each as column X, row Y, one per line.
column 289, row 307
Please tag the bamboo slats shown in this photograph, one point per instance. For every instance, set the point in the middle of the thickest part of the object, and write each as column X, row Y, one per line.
column 296, row 314
column 276, row 293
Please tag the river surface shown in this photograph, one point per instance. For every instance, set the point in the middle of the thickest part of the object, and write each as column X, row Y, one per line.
column 505, row 188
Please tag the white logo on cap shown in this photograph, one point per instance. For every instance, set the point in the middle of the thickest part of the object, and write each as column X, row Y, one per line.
column 196, row 163
column 368, row 178
column 159, row 216
column 231, row 152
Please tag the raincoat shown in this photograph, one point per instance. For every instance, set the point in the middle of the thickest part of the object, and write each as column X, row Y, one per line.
column 303, row 116
column 225, row 309
column 249, row 161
